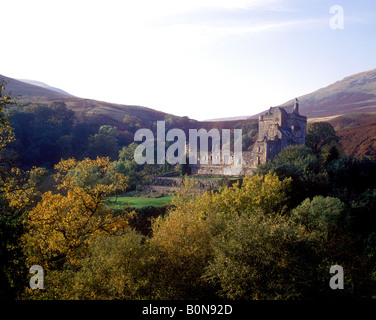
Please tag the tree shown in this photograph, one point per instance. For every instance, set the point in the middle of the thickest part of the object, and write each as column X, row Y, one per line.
column 353, row 174
column 11, row 258
column 305, row 169
column 62, row 225
column 127, row 165
column 258, row 256
column 108, row 130
column 6, row 132
column 104, row 143
column 132, row 123
column 115, row 267
column 321, row 214
column 181, row 244
column 38, row 131
column 182, row 240
column 320, row 134
column 262, row 192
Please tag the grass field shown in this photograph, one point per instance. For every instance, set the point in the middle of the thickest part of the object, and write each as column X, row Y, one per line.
column 140, row 202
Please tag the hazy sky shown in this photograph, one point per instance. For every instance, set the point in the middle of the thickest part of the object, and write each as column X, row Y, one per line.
column 199, row 58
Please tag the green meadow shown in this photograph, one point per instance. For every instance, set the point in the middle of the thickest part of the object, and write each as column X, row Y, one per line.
column 140, row 202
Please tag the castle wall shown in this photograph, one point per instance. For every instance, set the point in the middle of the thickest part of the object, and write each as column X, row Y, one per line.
column 298, row 125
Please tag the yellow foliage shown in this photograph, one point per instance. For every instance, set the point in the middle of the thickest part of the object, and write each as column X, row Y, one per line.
column 266, row 193
column 188, row 218
column 6, row 136
column 184, row 236
column 62, row 225
column 21, row 188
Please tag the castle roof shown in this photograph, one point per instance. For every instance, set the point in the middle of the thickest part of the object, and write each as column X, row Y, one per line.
column 282, row 110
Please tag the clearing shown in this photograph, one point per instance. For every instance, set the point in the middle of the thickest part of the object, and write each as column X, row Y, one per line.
column 140, row 202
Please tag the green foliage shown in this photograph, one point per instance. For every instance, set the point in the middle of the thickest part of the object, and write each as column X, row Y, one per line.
column 127, row 165
column 104, row 143
column 319, row 135
column 321, row 214
column 363, row 209
column 115, row 268
column 12, row 262
column 263, row 257
column 307, row 172
column 352, row 175
column 39, row 130
column 108, row 130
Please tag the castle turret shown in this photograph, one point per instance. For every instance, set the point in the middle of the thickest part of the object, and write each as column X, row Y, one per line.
column 296, row 106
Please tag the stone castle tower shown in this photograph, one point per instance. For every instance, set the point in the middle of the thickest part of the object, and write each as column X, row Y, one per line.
column 278, row 128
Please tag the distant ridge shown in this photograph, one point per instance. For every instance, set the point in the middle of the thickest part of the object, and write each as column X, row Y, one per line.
column 23, row 90
column 228, row 119
column 46, row 86
column 103, row 112
column 353, row 94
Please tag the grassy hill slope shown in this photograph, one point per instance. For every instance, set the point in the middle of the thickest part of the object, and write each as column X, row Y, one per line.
column 85, row 108
column 353, row 94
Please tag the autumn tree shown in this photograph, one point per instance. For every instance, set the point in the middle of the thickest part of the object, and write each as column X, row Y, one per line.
column 182, row 240
column 6, row 131
column 259, row 256
column 64, row 222
column 263, row 192
column 181, row 244
column 10, row 223
column 116, row 267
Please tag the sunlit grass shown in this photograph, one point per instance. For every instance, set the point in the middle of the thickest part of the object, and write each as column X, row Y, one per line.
column 140, row 202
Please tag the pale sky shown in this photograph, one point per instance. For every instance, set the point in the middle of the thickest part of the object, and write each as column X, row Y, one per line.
column 199, row 58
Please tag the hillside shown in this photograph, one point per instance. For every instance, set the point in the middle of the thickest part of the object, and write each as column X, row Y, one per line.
column 357, row 133
column 103, row 112
column 44, row 85
column 107, row 113
column 26, row 92
column 349, row 105
column 353, row 94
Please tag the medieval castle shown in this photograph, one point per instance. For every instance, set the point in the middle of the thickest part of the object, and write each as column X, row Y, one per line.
column 278, row 128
